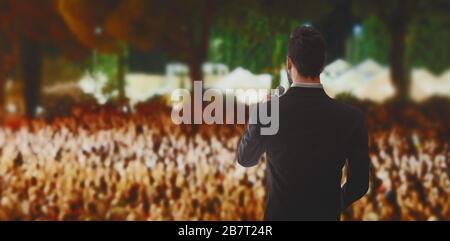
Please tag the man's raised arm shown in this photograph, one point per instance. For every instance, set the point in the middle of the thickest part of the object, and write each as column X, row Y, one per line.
column 251, row 146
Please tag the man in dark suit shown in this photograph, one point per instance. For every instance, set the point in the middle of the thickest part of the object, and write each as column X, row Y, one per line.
column 317, row 136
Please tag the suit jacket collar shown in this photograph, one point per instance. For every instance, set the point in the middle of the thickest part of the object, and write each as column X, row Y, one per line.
column 305, row 91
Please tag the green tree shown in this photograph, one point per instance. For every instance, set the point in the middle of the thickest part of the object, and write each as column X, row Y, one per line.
column 398, row 16
column 429, row 44
column 180, row 28
column 260, row 30
column 261, row 51
column 29, row 26
column 8, row 53
column 370, row 40
column 89, row 21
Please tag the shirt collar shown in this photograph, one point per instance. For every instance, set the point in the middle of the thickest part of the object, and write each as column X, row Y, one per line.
column 307, row 85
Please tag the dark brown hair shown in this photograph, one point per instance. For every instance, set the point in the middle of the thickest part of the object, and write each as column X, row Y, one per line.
column 307, row 49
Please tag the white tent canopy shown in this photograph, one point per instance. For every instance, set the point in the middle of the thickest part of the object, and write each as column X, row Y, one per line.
column 335, row 69
column 378, row 89
column 369, row 68
column 348, row 82
column 443, row 84
column 425, row 84
column 241, row 78
column 141, row 87
column 422, row 84
column 368, row 80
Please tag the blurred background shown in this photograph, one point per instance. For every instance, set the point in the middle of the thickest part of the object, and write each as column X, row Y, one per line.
column 85, row 128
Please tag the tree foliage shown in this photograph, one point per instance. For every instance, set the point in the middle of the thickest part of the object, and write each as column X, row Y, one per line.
column 429, row 44
column 29, row 26
column 369, row 40
column 398, row 16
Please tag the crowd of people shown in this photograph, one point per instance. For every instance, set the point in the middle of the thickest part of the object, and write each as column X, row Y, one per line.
column 409, row 178
column 104, row 163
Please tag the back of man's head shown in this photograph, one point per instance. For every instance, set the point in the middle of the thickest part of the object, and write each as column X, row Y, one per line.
column 307, row 50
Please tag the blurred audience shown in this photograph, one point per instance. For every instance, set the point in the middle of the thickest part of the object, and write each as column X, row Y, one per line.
column 103, row 163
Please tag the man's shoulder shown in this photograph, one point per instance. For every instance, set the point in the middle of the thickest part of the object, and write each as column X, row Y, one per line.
column 339, row 107
column 348, row 110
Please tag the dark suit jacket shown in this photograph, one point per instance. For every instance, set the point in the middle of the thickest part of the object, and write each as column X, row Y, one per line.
column 317, row 136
